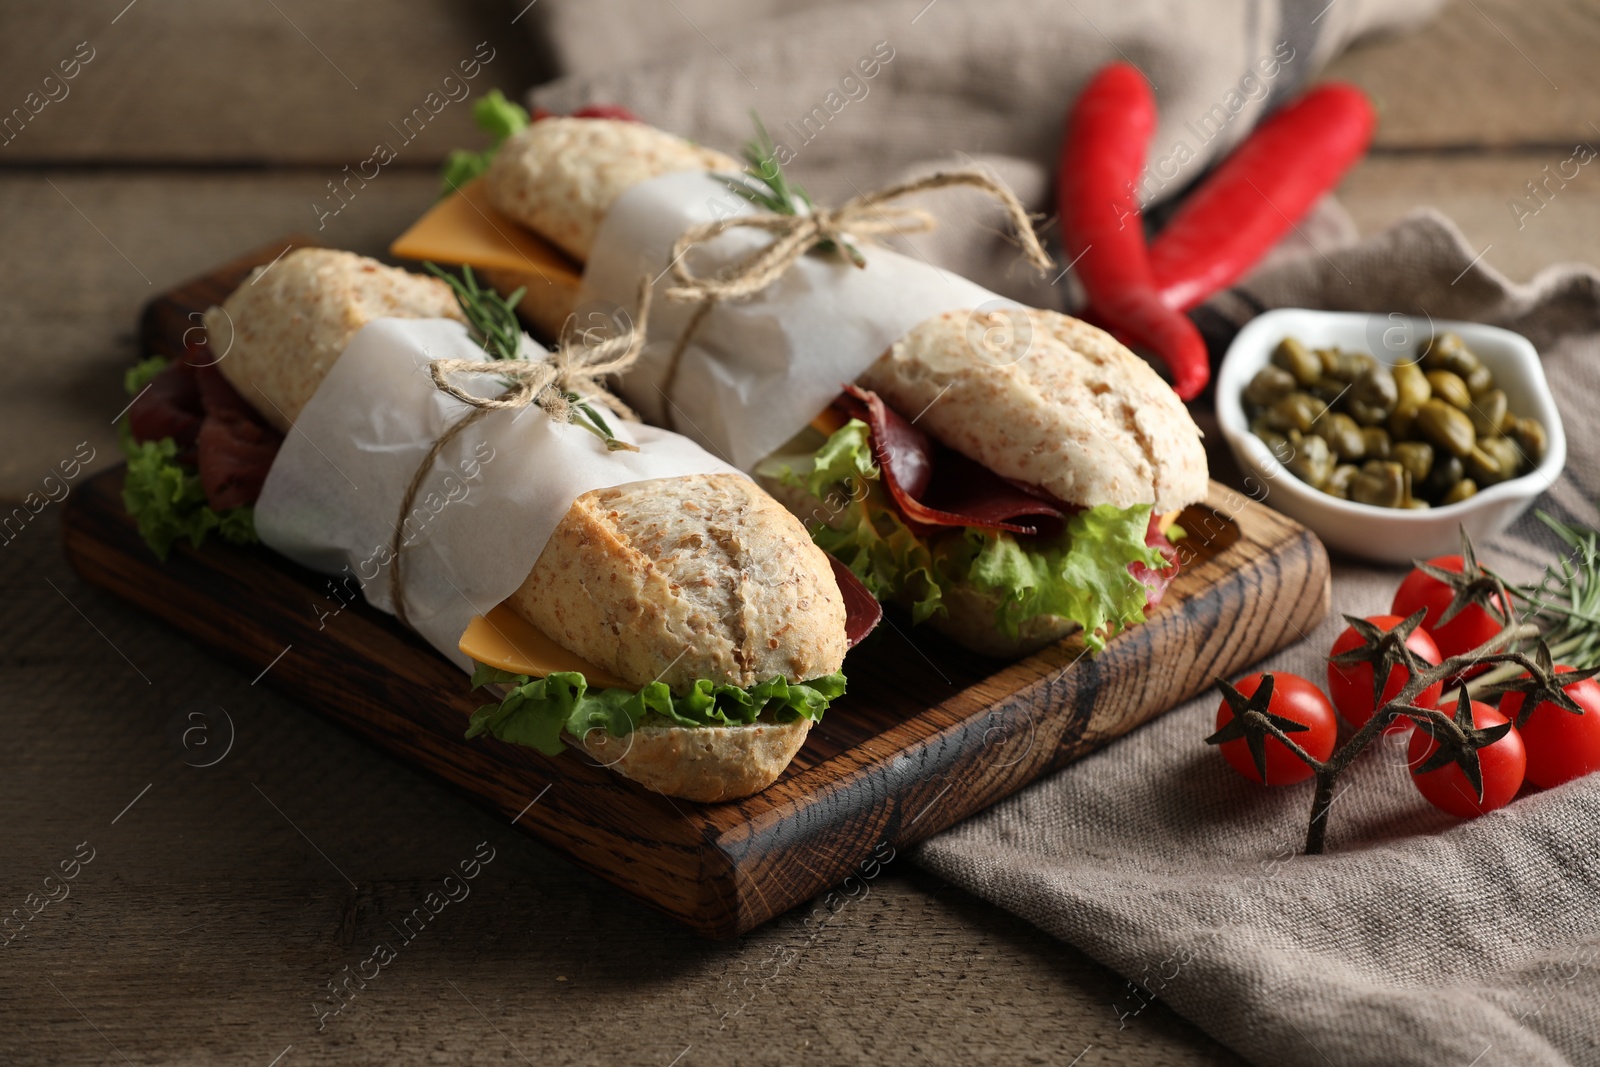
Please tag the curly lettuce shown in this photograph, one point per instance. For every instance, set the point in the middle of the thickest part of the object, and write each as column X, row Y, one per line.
column 164, row 496
column 1080, row 574
column 498, row 117
column 536, row 711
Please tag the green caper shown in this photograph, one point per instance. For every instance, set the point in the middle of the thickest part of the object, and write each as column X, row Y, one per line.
column 1494, row 460
column 1298, row 360
column 1448, row 352
column 1328, row 390
column 1297, row 411
column 1372, row 396
column 1349, row 366
column 1342, row 435
column 1376, row 443
column 1270, row 384
column 1416, row 504
column 1446, row 427
column 1480, row 380
column 1412, row 384
column 1460, row 491
column 1530, row 438
column 1276, row 443
column 1414, row 456
column 1450, row 388
column 1508, row 423
column 1338, row 483
column 1312, row 462
column 1488, row 412
column 1403, row 421
column 1447, row 471
column 1329, row 358
column 1379, row 483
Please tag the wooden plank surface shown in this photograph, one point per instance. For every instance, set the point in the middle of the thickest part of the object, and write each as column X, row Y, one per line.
column 208, row 923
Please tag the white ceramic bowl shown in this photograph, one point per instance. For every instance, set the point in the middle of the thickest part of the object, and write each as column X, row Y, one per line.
column 1391, row 535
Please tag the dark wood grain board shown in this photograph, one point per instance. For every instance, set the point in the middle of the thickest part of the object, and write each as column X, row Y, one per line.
column 928, row 735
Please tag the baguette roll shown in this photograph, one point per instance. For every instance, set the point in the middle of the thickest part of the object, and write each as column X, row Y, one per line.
column 278, row 335
column 560, row 176
column 1073, row 412
column 672, row 579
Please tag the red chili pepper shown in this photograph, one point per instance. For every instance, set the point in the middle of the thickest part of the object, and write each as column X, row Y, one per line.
column 1259, row 192
column 1108, row 130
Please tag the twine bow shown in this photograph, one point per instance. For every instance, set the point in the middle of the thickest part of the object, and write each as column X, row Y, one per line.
column 867, row 216
column 564, row 385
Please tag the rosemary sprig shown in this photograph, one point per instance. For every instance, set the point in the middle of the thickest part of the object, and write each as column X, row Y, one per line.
column 764, row 184
column 1565, row 602
column 491, row 317
column 493, row 321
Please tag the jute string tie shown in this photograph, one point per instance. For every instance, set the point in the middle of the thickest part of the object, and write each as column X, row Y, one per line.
column 868, row 216
column 556, row 384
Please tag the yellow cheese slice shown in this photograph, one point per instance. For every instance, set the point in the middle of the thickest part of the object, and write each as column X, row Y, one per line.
column 465, row 228
column 505, row 640
column 828, row 421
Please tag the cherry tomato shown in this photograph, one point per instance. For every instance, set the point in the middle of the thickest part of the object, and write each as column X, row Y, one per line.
column 1293, row 698
column 1472, row 625
column 1351, row 687
column 1561, row 746
column 1502, row 764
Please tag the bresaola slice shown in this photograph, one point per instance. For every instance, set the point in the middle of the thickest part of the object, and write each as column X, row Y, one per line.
column 861, row 609
column 1156, row 580
column 215, row 429
column 937, row 486
column 169, row 407
column 236, row 446
column 958, row 491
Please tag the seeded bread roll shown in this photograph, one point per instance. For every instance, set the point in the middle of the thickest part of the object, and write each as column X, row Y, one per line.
column 1075, row 413
column 673, row 579
column 684, row 578
column 559, row 176
column 279, row 333
column 705, row 764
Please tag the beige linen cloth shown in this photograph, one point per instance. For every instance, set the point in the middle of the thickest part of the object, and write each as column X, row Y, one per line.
column 1417, row 939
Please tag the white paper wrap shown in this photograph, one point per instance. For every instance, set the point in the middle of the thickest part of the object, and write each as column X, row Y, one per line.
column 495, row 495
column 759, row 369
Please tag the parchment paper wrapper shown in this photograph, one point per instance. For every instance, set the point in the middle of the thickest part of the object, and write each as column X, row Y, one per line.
column 496, row 493
column 756, row 370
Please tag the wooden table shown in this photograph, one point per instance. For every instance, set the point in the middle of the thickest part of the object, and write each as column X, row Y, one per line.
column 223, row 900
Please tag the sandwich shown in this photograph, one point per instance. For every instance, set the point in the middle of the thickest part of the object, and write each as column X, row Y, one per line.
column 684, row 631
column 1005, row 505
column 1005, row 499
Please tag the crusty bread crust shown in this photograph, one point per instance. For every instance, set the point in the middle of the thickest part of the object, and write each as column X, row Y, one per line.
column 1067, row 409
column 560, row 176
column 702, row 763
column 279, row 334
column 703, row 576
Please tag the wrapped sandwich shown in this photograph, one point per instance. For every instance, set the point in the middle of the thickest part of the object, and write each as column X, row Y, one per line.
column 1007, row 474
column 627, row 592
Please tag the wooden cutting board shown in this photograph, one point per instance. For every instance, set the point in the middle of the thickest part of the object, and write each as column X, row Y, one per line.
column 928, row 734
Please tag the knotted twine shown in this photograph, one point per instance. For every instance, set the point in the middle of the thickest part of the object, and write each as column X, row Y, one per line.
column 866, row 216
column 574, row 370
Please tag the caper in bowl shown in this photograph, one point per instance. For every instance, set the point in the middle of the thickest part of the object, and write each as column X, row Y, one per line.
column 1400, row 430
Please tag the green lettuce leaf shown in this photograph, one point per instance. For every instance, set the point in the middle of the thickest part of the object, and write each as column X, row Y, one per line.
column 498, row 117
column 537, row 711
column 164, row 496
column 1080, row 574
